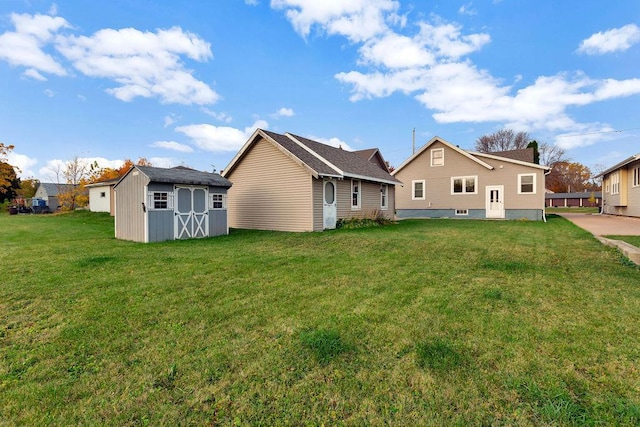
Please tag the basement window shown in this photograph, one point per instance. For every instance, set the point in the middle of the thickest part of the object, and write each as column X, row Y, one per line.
column 462, row 212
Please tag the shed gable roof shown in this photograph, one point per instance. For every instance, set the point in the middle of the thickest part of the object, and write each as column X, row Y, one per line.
column 180, row 175
column 320, row 159
column 52, row 189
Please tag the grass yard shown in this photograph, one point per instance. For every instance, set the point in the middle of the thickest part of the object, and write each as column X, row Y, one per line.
column 632, row 240
column 419, row 323
column 575, row 209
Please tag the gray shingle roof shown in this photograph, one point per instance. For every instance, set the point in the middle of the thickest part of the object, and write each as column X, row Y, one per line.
column 523, row 155
column 580, row 195
column 349, row 162
column 182, row 175
column 52, row 189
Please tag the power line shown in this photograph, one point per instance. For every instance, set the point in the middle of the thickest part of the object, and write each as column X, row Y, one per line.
column 596, row 133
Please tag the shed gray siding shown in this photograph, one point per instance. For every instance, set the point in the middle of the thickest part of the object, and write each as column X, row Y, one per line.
column 130, row 217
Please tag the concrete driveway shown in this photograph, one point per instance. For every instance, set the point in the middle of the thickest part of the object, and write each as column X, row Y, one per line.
column 602, row 225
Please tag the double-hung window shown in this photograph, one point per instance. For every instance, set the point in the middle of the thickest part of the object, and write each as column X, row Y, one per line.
column 417, row 190
column 527, row 183
column 464, row 185
column 437, row 157
column 636, row 177
column 355, row 194
column 615, row 183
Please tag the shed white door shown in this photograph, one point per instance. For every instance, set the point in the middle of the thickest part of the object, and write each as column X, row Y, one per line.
column 191, row 213
column 329, row 209
column 495, row 201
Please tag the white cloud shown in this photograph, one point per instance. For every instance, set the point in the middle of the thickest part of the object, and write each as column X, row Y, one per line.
column 23, row 163
column 615, row 40
column 220, row 138
column 169, row 120
column 172, row 145
column 432, row 65
column 357, row 20
column 144, row 64
column 49, row 93
column 220, row 116
column 467, row 9
column 34, row 74
column 24, row 46
column 283, row 112
column 334, row 142
column 52, row 170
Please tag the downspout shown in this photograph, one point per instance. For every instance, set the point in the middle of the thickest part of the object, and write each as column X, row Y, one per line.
column 544, row 211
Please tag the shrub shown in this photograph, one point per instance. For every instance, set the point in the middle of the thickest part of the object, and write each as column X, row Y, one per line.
column 371, row 219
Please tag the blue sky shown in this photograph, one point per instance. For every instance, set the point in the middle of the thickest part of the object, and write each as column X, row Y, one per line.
column 186, row 83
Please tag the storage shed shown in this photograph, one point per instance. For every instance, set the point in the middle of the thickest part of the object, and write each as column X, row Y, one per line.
column 158, row 204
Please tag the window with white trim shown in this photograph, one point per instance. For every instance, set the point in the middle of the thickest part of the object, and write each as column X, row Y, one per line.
column 636, row 177
column 355, row 194
column 160, row 200
column 527, row 183
column 464, row 185
column 462, row 212
column 437, row 157
column 217, row 201
column 615, row 183
column 417, row 190
column 384, row 196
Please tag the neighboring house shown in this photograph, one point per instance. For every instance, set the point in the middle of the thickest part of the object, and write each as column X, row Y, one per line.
column 48, row 191
column 290, row 183
column 442, row 180
column 567, row 200
column 621, row 188
column 102, row 197
column 157, row 204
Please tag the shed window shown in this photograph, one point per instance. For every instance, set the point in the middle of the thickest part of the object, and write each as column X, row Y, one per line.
column 355, row 194
column 384, row 196
column 217, row 201
column 464, row 185
column 159, row 200
column 437, row 157
column 103, row 194
column 417, row 192
column 527, row 183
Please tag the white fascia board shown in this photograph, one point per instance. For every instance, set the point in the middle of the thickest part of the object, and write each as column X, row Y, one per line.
column 623, row 163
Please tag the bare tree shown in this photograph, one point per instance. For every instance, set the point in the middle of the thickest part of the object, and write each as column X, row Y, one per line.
column 502, row 140
column 551, row 154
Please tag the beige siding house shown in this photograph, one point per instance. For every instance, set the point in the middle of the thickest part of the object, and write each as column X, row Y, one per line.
column 621, row 188
column 442, row 180
column 290, row 183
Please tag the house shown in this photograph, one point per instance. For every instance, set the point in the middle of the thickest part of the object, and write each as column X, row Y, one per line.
column 621, row 188
column 442, row 180
column 49, row 191
column 567, row 200
column 102, row 197
column 290, row 183
column 157, row 204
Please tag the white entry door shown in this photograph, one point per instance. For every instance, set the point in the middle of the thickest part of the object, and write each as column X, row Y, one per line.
column 495, row 201
column 191, row 213
column 329, row 210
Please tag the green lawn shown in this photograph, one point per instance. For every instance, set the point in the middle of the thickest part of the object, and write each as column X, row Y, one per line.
column 433, row 322
column 575, row 209
column 632, row 240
